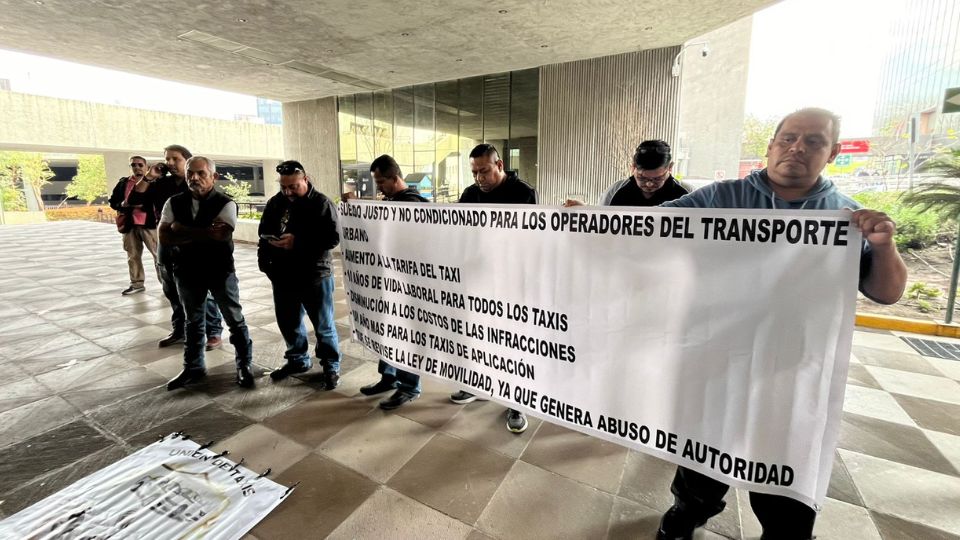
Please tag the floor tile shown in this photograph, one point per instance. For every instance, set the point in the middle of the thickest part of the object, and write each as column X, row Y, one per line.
column 112, row 388
column 100, row 325
column 36, row 456
column 894, row 528
column 859, row 376
column 76, row 375
column 23, row 391
column 34, row 418
column 317, row 418
column 147, row 334
column 933, row 496
column 534, row 503
column 60, row 355
column 950, row 368
column 842, row 487
column 267, row 399
column 55, row 480
column 262, row 448
column 377, row 444
column 388, row 514
column 894, row 442
column 838, row 519
column 586, row 459
column 930, row 414
column 913, row 363
column 432, row 408
column 485, row 422
column 211, row 422
column 949, row 445
column 453, row 476
column 327, row 495
column 630, row 520
column 915, row 384
column 145, row 411
column 883, row 341
column 875, row 404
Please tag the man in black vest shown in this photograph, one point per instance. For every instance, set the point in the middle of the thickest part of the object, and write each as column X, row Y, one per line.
column 158, row 184
column 297, row 231
column 493, row 185
column 198, row 227
column 389, row 179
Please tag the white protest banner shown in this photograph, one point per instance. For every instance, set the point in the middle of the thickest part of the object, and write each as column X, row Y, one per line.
column 170, row 489
column 714, row 339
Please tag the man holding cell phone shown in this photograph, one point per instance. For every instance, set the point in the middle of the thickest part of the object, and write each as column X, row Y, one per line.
column 297, row 231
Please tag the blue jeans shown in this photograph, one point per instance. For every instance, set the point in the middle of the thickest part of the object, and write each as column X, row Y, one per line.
column 313, row 296
column 226, row 293
column 401, row 380
column 213, row 322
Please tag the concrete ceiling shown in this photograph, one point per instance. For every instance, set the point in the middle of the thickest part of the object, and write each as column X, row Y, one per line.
column 300, row 49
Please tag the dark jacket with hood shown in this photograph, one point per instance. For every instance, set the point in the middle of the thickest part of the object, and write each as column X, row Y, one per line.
column 312, row 220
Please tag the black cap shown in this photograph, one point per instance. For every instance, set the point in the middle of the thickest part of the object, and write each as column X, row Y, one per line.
column 290, row 167
column 652, row 155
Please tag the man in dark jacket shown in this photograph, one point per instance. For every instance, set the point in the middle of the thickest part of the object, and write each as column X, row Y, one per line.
column 493, row 185
column 197, row 228
column 389, row 179
column 159, row 183
column 297, row 231
column 650, row 183
column 138, row 225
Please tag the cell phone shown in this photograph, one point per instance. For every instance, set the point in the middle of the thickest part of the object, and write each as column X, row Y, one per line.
column 269, row 237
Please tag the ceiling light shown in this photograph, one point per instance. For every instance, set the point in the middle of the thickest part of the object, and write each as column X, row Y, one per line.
column 503, row 12
column 648, row 28
column 459, row 59
column 404, row 34
column 38, row 2
column 241, row 20
column 544, row 46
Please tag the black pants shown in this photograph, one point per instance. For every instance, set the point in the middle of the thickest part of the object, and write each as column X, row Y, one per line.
column 782, row 518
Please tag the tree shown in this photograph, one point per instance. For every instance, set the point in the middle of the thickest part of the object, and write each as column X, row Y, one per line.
column 20, row 171
column 757, row 133
column 90, row 182
column 238, row 190
column 945, row 199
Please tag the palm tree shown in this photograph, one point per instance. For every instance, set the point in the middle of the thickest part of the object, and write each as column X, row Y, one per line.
column 945, row 200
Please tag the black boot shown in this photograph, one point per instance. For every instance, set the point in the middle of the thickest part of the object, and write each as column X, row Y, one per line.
column 245, row 377
column 184, row 378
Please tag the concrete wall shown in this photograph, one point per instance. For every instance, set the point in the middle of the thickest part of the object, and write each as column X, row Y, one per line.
column 594, row 113
column 310, row 137
column 40, row 123
column 712, row 98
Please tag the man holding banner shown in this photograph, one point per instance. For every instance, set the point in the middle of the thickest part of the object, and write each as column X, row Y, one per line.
column 389, row 179
column 493, row 185
column 803, row 144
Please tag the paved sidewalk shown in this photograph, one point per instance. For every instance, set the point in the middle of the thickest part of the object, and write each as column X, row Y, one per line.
column 82, row 387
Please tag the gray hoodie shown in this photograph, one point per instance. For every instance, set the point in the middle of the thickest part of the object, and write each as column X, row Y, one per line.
column 754, row 191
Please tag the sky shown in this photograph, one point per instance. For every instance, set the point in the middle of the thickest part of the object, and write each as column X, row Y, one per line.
column 38, row 75
column 820, row 53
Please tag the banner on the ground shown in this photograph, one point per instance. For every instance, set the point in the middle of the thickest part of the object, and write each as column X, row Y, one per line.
column 714, row 339
column 170, row 489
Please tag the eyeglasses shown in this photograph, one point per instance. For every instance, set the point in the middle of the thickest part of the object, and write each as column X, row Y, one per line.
column 654, row 179
column 284, row 170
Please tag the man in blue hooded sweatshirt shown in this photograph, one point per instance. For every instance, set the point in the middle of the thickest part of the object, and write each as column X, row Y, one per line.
column 802, row 145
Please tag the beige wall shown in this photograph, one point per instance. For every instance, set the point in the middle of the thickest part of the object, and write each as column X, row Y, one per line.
column 594, row 113
column 42, row 123
column 310, row 137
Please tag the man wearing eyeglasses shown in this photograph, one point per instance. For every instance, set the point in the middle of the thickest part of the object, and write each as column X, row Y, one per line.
column 651, row 181
column 297, row 231
column 139, row 227
column 802, row 145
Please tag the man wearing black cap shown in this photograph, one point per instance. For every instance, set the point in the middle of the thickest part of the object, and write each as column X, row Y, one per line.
column 297, row 231
column 650, row 182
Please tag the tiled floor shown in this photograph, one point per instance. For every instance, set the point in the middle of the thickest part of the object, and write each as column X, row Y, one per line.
column 82, row 380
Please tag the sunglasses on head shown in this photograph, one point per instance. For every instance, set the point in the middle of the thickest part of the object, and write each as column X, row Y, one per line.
column 288, row 169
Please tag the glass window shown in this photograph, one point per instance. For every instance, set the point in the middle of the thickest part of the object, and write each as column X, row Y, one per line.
column 524, row 116
column 448, row 130
column 403, row 128
column 471, row 125
column 496, row 111
column 383, row 122
column 424, row 138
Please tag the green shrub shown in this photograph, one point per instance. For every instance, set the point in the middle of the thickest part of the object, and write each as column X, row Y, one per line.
column 915, row 229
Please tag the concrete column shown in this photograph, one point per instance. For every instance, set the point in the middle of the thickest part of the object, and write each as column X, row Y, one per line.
column 117, row 165
column 270, row 184
column 310, row 136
